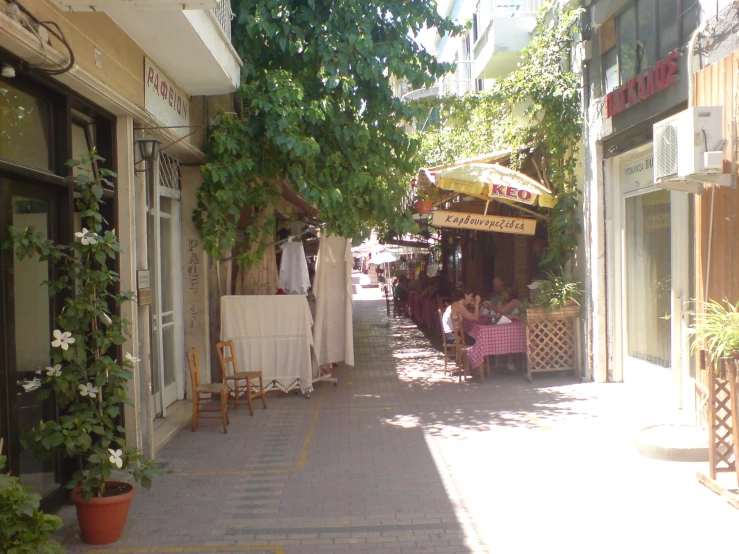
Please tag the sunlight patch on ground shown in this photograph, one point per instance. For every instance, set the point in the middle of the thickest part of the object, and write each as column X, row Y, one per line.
column 404, row 421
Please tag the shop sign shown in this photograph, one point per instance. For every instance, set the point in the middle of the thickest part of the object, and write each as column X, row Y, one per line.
column 637, row 174
column 162, row 99
column 479, row 222
column 657, row 77
column 512, row 193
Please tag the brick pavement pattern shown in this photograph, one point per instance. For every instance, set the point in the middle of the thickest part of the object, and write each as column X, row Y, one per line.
column 400, row 459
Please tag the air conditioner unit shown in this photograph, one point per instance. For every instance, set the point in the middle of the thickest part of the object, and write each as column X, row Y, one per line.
column 688, row 149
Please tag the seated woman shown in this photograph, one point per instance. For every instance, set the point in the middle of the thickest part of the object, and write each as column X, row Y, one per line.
column 509, row 303
column 459, row 307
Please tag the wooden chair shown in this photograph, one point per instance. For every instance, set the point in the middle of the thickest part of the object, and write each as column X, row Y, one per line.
column 463, row 362
column 236, row 377
column 450, row 349
column 388, row 301
column 202, row 394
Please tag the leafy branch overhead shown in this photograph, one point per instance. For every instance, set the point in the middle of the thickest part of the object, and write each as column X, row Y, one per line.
column 317, row 83
column 534, row 112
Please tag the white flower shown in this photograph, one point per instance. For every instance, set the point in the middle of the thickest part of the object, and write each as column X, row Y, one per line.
column 132, row 359
column 85, row 239
column 88, row 390
column 115, row 457
column 62, row 339
column 55, row 371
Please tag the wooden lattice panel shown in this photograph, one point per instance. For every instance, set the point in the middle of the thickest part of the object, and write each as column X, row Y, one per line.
column 721, row 420
column 551, row 344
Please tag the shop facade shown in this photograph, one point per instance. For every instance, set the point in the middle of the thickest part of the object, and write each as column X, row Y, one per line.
column 641, row 236
column 101, row 89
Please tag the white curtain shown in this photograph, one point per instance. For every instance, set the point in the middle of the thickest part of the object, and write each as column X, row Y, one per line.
column 333, row 330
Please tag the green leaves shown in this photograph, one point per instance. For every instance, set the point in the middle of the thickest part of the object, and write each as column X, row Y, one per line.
column 317, row 86
column 534, row 113
column 24, row 529
column 88, row 383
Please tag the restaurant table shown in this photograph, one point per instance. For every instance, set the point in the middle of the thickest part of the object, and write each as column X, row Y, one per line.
column 272, row 334
column 495, row 340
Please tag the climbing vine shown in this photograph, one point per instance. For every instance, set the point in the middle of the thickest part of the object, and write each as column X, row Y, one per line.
column 316, row 85
column 534, row 112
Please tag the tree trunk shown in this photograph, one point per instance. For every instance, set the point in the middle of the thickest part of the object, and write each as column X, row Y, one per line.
column 262, row 277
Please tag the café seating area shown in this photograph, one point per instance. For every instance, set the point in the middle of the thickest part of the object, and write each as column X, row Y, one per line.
column 466, row 360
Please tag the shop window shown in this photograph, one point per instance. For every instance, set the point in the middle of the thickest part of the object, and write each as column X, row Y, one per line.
column 648, row 272
column 24, row 127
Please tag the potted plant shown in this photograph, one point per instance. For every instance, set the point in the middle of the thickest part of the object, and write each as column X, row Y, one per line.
column 555, row 296
column 426, row 198
column 24, row 528
column 87, row 377
column 716, row 332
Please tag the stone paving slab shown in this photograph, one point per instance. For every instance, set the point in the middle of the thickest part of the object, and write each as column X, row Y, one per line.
column 400, row 458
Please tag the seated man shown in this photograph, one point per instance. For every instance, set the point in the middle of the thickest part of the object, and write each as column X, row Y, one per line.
column 509, row 303
column 498, row 290
column 401, row 289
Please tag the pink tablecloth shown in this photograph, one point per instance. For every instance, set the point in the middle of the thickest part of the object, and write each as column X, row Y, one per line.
column 494, row 340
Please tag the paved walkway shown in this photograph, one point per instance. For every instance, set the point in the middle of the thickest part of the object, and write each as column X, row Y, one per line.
column 399, row 459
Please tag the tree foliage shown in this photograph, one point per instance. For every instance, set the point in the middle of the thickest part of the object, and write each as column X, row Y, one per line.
column 548, row 135
column 320, row 110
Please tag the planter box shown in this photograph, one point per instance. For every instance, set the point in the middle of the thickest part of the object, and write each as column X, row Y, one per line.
column 424, row 206
column 551, row 340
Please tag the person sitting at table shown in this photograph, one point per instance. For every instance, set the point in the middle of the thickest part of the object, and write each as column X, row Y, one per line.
column 498, row 290
column 509, row 303
column 459, row 307
column 401, row 289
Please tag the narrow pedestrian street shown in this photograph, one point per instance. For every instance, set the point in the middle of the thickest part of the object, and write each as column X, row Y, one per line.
column 399, row 458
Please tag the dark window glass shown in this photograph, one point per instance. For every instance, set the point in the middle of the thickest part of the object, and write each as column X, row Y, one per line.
column 690, row 17
column 24, row 127
column 646, row 35
column 610, row 70
column 627, row 45
column 669, row 40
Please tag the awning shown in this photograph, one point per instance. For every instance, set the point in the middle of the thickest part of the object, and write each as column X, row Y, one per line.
column 495, row 182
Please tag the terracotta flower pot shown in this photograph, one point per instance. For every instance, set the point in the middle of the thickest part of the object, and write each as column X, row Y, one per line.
column 424, row 206
column 102, row 519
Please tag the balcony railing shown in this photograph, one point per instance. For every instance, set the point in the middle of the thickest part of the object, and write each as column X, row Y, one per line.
column 223, row 16
column 487, row 10
column 460, row 82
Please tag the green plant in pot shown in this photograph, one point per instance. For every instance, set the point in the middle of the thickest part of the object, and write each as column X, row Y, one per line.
column 717, row 330
column 24, row 528
column 426, row 197
column 556, row 293
column 86, row 376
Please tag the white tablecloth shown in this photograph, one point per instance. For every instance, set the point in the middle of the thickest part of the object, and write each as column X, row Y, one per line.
column 272, row 334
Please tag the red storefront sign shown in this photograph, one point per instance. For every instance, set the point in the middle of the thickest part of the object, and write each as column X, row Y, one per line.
column 659, row 76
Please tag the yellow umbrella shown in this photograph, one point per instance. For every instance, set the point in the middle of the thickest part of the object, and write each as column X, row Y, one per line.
column 493, row 181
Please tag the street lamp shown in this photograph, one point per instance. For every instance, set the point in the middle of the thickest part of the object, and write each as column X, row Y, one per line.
column 149, row 149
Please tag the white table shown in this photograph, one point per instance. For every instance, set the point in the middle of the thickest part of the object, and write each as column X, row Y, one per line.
column 271, row 334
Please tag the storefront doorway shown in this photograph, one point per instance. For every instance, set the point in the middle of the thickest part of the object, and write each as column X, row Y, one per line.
column 165, row 232
column 651, row 282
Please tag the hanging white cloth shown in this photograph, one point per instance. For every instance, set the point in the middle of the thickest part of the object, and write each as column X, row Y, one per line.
column 294, row 277
column 333, row 331
column 271, row 334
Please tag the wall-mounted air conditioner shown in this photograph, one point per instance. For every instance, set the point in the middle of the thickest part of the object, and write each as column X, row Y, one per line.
column 688, row 150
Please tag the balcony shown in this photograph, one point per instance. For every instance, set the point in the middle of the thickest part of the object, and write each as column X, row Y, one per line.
column 189, row 40
column 502, row 29
column 460, row 82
